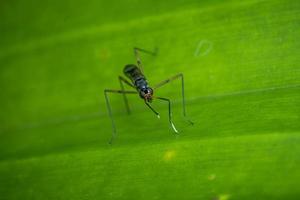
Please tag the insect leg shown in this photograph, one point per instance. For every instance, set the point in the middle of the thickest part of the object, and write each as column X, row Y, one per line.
column 155, row 112
column 123, row 80
column 177, row 76
column 170, row 113
column 106, row 91
column 137, row 55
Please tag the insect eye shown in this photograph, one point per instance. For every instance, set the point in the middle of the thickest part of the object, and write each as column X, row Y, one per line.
column 145, row 91
column 150, row 91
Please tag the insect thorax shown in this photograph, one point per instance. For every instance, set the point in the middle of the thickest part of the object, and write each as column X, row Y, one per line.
column 136, row 76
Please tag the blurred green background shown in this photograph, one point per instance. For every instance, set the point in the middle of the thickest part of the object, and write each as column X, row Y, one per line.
column 241, row 65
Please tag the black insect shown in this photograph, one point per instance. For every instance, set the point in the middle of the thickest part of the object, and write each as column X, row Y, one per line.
column 140, row 84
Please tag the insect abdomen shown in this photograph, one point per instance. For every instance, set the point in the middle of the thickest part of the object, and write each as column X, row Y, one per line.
column 133, row 73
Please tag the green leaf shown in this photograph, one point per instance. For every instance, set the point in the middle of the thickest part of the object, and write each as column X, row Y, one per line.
column 241, row 69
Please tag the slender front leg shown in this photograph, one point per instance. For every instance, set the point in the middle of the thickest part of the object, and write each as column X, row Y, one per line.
column 170, row 113
column 137, row 55
column 123, row 80
column 114, row 131
column 164, row 82
column 154, row 111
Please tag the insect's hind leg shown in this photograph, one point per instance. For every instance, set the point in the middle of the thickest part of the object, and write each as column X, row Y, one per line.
column 106, row 91
column 138, row 58
column 177, row 76
column 123, row 80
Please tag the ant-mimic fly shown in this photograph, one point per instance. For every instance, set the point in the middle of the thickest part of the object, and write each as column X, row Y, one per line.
column 140, row 84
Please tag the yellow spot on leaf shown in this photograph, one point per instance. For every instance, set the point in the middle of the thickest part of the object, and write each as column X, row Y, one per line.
column 211, row 177
column 169, row 155
column 223, row 197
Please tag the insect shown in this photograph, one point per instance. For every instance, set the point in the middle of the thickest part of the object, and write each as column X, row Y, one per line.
column 139, row 82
